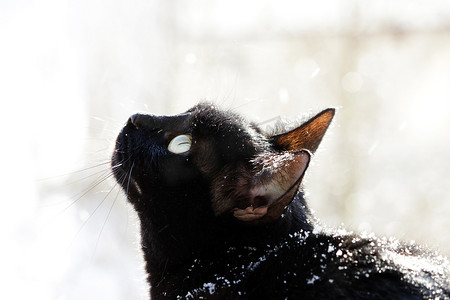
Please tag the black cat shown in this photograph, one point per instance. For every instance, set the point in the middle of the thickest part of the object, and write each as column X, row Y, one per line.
column 223, row 216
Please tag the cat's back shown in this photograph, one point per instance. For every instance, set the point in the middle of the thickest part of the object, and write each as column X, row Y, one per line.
column 311, row 265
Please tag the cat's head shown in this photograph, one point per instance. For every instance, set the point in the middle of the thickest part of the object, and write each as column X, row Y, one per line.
column 230, row 166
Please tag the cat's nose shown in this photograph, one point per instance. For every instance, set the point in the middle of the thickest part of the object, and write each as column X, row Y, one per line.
column 134, row 120
column 144, row 121
column 151, row 122
column 140, row 121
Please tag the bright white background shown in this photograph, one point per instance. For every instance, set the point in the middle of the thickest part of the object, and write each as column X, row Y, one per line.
column 71, row 72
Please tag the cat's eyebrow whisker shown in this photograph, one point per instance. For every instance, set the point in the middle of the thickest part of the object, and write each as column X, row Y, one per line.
column 269, row 120
column 100, row 129
column 105, row 120
column 246, row 103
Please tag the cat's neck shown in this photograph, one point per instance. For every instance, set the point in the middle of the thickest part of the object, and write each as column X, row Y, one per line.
column 170, row 240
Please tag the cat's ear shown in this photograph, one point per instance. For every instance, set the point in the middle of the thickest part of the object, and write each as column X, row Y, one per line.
column 308, row 135
column 261, row 193
column 275, row 185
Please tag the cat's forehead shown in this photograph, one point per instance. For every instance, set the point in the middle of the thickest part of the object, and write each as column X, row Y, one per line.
column 213, row 117
column 224, row 136
column 206, row 116
column 210, row 112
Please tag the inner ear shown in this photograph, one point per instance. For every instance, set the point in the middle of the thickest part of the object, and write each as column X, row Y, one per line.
column 308, row 135
column 279, row 185
column 259, row 194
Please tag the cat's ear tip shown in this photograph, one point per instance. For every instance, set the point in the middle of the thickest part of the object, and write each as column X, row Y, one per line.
column 328, row 114
column 331, row 111
column 308, row 135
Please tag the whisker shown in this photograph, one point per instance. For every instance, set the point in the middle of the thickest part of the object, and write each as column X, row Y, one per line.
column 100, row 179
column 94, row 211
column 74, row 172
column 118, row 164
column 88, row 176
column 248, row 102
column 269, row 120
column 105, row 119
column 107, row 216
column 101, row 129
column 129, row 177
column 75, row 182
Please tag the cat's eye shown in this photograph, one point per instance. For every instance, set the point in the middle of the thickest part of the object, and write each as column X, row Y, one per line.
column 180, row 144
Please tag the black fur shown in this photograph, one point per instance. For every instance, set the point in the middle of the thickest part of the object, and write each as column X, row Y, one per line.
column 195, row 248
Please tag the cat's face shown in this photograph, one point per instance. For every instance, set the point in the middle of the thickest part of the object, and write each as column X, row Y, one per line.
column 228, row 164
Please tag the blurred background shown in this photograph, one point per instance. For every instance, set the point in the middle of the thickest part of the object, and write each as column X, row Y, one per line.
column 71, row 72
